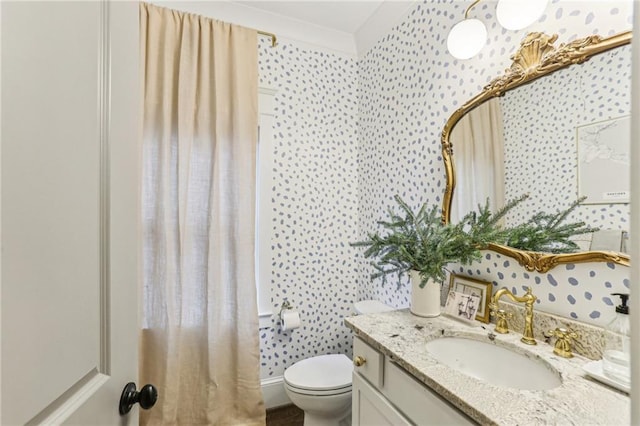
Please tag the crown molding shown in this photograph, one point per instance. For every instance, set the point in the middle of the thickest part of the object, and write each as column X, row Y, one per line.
column 285, row 28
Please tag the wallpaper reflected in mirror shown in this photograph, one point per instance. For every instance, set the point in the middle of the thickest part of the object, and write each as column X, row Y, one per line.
column 541, row 122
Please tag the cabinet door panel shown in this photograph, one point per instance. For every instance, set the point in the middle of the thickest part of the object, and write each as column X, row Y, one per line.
column 370, row 408
column 417, row 401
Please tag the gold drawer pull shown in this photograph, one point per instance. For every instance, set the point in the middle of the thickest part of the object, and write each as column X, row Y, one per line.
column 359, row 361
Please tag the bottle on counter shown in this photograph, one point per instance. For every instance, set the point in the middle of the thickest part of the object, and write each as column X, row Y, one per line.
column 617, row 350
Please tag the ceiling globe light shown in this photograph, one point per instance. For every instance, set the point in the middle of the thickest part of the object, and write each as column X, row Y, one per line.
column 467, row 38
column 519, row 14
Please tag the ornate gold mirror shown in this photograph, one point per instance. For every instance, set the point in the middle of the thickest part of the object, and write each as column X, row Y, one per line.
column 560, row 122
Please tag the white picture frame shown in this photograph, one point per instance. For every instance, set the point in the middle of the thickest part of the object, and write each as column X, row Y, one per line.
column 604, row 162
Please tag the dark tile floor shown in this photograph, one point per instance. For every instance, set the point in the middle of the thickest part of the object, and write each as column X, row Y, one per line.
column 287, row 415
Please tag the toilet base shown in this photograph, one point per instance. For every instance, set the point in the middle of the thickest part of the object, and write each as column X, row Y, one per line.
column 325, row 410
column 315, row 419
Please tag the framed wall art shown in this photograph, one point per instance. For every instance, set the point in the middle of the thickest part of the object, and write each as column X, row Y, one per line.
column 604, row 161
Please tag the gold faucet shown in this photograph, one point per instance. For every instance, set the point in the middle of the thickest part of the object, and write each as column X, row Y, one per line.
column 501, row 325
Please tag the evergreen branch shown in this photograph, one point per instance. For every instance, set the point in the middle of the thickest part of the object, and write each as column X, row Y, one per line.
column 420, row 241
column 544, row 232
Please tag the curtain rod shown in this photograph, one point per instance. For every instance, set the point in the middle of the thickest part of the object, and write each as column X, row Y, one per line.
column 266, row 34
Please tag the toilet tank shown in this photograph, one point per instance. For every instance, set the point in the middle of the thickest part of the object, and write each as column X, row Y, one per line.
column 371, row 307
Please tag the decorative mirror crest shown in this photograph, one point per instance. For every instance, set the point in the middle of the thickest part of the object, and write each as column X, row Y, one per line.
column 536, row 57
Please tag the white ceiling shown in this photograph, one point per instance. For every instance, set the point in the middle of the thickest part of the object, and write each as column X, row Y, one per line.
column 346, row 16
column 363, row 22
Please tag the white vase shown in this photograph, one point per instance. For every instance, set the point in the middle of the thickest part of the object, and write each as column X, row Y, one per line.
column 425, row 302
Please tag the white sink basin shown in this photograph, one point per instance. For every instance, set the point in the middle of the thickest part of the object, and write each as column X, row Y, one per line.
column 494, row 364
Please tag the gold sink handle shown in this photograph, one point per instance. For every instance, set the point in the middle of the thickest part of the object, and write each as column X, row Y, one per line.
column 502, row 326
column 564, row 338
column 359, row 361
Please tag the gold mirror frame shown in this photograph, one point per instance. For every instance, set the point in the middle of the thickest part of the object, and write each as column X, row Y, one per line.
column 536, row 57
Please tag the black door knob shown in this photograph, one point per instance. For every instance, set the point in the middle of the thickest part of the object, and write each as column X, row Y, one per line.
column 147, row 397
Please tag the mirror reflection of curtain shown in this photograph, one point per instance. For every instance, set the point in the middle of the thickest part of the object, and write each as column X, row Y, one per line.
column 199, row 343
column 478, row 147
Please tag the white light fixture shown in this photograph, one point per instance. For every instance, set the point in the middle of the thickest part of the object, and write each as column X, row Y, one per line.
column 519, row 14
column 467, row 38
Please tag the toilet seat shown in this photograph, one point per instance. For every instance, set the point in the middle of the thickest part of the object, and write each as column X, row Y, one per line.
column 328, row 392
column 320, row 375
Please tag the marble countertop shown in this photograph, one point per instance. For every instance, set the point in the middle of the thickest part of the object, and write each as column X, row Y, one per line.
column 579, row 400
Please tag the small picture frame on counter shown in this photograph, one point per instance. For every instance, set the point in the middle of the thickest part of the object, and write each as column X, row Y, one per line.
column 462, row 306
column 474, row 287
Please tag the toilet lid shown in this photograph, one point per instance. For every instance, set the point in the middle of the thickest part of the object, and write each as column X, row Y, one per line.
column 371, row 307
column 324, row 372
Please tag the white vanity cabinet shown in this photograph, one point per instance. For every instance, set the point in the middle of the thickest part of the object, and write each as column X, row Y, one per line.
column 385, row 394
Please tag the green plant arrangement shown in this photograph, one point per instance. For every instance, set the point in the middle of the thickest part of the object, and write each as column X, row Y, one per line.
column 546, row 232
column 421, row 242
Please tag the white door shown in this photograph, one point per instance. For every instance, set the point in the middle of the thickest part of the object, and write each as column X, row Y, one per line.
column 69, row 211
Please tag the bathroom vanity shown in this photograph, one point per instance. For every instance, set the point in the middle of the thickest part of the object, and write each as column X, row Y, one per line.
column 385, row 394
column 397, row 380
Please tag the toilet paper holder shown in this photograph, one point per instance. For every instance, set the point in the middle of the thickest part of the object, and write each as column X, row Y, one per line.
column 289, row 317
column 284, row 307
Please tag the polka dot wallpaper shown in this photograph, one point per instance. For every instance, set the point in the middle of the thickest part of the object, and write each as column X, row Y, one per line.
column 314, row 201
column 409, row 86
column 349, row 134
column 540, row 121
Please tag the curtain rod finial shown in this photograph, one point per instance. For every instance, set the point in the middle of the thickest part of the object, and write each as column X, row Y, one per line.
column 274, row 40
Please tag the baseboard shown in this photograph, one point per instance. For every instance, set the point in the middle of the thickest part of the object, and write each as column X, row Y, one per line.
column 273, row 392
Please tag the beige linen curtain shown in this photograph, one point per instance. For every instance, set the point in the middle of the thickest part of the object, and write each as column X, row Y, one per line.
column 478, row 147
column 199, row 343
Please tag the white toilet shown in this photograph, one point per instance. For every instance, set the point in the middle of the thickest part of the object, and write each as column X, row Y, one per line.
column 321, row 385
